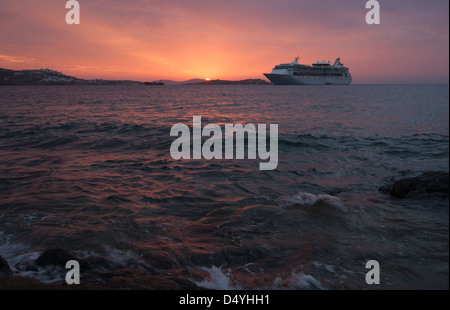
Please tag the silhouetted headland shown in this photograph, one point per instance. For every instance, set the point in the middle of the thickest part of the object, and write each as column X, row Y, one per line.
column 225, row 82
column 52, row 77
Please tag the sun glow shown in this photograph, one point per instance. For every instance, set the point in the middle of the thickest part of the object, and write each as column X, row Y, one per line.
column 208, row 79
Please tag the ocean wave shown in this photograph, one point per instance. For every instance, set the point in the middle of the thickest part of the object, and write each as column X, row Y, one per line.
column 219, row 279
column 22, row 261
column 305, row 141
column 298, row 281
column 304, row 199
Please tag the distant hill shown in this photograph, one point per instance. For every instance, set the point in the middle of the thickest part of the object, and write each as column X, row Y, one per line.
column 170, row 82
column 226, row 82
column 51, row 77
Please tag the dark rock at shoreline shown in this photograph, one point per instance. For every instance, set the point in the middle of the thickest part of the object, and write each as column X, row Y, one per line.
column 59, row 257
column 424, row 185
column 129, row 279
column 4, row 267
column 98, row 273
column 124, row 279
column 11, row 282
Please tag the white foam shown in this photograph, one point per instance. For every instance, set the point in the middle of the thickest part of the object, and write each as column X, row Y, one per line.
column 19, row 257
column 128, row 258
column 298, row 281
column 16, row 254
column 305, row 282
column 48, row 274
column 218, row 279
column 308, row 199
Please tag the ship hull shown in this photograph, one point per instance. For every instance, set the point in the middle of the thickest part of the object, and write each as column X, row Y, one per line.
column 287, row 79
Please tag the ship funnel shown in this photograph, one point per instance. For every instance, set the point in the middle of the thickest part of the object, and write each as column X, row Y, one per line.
column 338, row 63
column 295, row 62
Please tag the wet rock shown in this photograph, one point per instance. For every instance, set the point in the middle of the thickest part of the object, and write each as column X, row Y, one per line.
column 129, row 279
column 122, row 280
column 24, row 283
column 59, row 257
column 424, row 185
column 118, row 278
column 54, row 257
column 4, row 267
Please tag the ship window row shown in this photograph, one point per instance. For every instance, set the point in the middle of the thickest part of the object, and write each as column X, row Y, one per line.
column 305, row 68
column 324, row 69
column 321, row 71
column 318, row 74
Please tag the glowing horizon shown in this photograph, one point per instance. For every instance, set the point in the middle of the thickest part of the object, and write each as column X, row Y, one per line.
column 172, row 40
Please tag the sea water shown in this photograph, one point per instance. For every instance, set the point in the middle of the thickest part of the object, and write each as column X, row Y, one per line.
column 88, row 169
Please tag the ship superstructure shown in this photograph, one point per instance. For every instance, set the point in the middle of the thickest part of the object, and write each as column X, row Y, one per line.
column 319, row 73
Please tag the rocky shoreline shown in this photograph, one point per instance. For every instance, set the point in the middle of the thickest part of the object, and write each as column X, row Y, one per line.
column 98, row 273
column 434, row 183
column 52, row 77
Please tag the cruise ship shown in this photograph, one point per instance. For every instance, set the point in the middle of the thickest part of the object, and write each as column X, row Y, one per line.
column 320, row 73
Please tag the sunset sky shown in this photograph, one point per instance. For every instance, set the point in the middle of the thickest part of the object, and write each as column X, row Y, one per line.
column 232, row 39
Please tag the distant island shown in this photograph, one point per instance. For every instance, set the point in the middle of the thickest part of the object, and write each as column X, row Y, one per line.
column 52, row 77
column 225, row 82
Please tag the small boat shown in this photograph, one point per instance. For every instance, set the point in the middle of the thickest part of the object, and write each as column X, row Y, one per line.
column 155, row 83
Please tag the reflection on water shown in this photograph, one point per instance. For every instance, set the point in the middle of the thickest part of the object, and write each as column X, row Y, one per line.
column 89, row 169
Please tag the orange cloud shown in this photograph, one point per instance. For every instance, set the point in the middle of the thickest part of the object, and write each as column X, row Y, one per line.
column 233, row 39
column 15, row 59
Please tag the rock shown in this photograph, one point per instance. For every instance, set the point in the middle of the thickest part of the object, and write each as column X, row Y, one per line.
column 24, row 283
column 118, row 279
column 54, row 257
column 59, row 257
column 4, row 267
column 129, row 279
column 424, row 185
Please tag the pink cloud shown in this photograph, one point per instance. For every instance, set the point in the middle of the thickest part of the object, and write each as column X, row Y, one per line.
column 233, row 39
